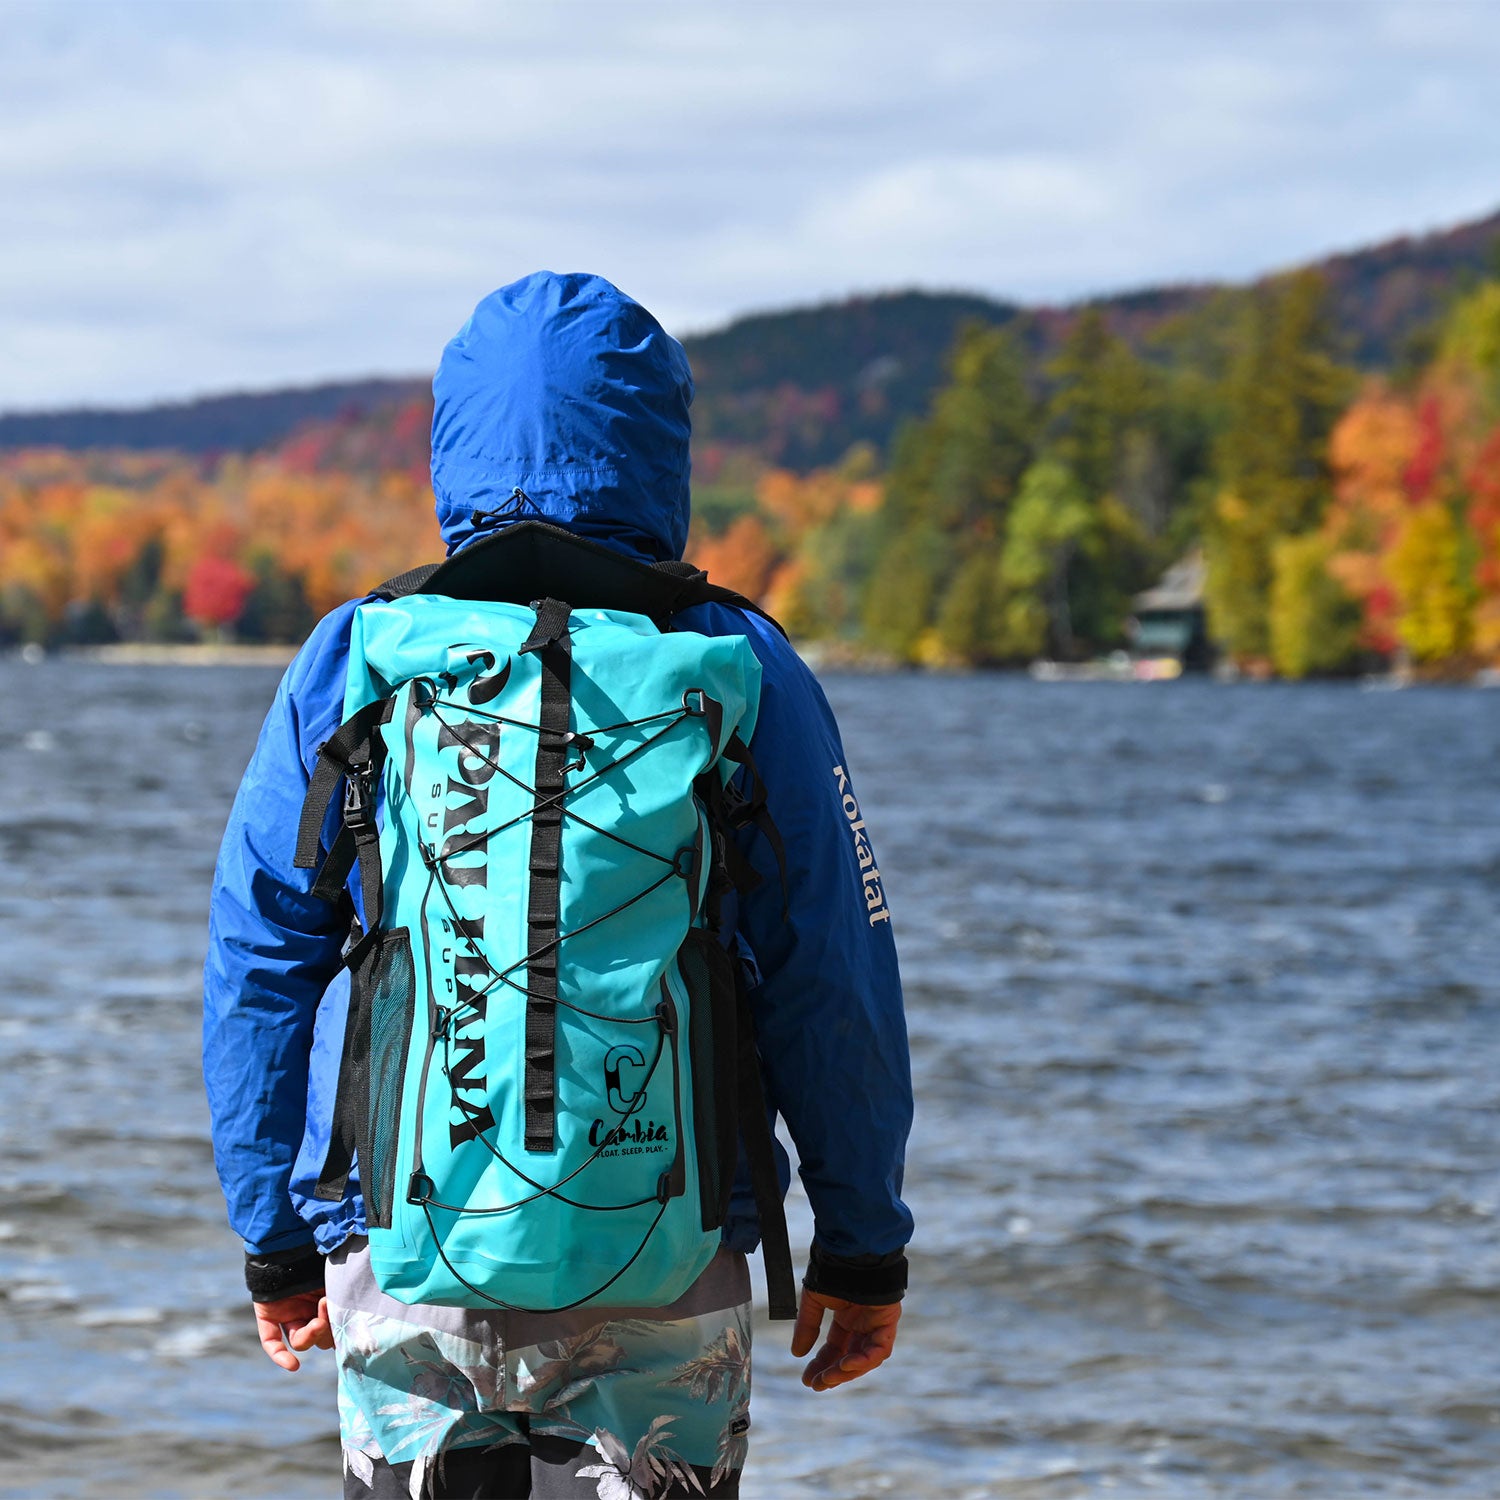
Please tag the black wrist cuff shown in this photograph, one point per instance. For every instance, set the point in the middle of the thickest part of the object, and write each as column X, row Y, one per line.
column 872, row 1280
column 284, row 1273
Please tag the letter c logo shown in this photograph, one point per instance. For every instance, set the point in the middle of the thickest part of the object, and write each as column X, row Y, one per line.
column 619, row 1101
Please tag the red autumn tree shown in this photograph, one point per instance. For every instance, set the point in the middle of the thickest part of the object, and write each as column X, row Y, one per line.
column 216, row 591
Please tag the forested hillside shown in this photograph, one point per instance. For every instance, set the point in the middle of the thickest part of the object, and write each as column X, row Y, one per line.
column 799, row 388
column 213, row 424
column 1047, row 468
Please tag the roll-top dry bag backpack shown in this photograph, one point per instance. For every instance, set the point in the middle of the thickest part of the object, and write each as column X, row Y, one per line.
column 549, row 1066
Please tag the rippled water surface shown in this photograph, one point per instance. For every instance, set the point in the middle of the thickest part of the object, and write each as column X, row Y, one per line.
column 1204, row 989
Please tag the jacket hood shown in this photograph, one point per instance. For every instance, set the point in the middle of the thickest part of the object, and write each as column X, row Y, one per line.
column 563, row 388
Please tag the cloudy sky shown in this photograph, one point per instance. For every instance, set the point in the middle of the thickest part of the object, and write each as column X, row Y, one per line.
column 209, row 195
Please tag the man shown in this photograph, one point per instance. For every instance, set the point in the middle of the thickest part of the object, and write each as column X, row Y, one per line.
column 565, row 392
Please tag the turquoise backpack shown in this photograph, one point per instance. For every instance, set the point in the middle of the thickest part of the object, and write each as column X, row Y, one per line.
column 549, row 1065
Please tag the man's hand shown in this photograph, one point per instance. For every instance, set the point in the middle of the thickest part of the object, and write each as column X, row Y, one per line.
column 861, row 1338
column 299, row 1322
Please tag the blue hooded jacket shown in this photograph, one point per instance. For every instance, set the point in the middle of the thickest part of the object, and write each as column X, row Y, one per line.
column 563, row 387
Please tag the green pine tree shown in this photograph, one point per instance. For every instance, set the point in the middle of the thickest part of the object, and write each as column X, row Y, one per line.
column 1052, row 524
column 952, row 480
column 959, row 467
column 1284, row 391
column 1101, row 393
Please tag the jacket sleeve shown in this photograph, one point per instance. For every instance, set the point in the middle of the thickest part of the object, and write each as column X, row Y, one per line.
column 828, row 1007
column 273, row 948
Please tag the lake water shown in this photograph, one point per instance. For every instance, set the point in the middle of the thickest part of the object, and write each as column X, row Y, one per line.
column 1204, row 992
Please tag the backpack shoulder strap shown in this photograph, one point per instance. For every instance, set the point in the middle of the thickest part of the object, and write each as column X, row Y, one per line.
column 351, row 756
column 413, row 581
column 696, row 589
column 535, row 560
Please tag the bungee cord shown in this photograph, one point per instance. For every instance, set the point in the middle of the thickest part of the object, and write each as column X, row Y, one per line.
column 456, row 1016
column 515, row 1307
column 473, row 1115
column 555, row 800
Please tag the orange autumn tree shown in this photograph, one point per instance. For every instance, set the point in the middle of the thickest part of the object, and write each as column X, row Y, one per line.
column 1370, row 452
column 336, row 534
column 1425, row 562
column 743, row 557
column 36, row 557
column 801, row 547
column 1396, row 527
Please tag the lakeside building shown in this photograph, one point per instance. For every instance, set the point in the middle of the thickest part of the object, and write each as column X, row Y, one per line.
column 1168, row 622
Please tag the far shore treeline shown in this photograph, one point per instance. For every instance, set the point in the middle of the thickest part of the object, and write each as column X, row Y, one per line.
column 1347, row 519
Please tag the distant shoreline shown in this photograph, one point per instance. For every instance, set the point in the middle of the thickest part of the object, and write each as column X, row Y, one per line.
column 818, row 655
column 184, row 654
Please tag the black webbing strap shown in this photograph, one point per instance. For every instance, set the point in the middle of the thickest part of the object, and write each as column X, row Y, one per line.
column 760, row 1155
column 359, row 818
column 551, row 626
column 334, row 870
column 710, row 791
column 551, row 642
column 753, row 809
column 350, row 1099
column 321, row 786
column 713, row 719
column 349, row 744
column 353, row 754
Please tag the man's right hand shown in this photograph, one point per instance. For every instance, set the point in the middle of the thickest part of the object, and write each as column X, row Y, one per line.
column 299, row 1322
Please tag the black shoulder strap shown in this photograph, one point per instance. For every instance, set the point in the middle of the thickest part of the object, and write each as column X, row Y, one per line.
column 760, row 1158
column 533, row 560
column 752, row 808
column 413, row 581
column 350, row 744
column 353, row 754
column 696, row 589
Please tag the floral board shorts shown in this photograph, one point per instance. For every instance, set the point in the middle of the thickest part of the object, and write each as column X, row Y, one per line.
column 618, row 1404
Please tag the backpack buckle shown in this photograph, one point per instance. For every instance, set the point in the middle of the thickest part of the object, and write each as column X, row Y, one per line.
column 688, row 863
column 358, row 800
column 578, row 743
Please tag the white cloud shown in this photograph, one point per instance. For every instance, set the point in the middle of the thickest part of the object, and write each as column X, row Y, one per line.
column 209, row 196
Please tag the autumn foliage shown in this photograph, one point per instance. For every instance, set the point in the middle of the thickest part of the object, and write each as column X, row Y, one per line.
column 216, row 591
column 1414, row 524
column 99, row 546
column 1346, row 521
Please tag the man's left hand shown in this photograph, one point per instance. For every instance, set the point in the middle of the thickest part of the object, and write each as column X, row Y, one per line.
column 861, row 1338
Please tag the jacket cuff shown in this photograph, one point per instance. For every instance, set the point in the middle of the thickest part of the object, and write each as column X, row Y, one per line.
column 872, row 1280
column 284, row 1273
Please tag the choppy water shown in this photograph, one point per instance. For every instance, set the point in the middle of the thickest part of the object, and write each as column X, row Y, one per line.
column 1205, row 1003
